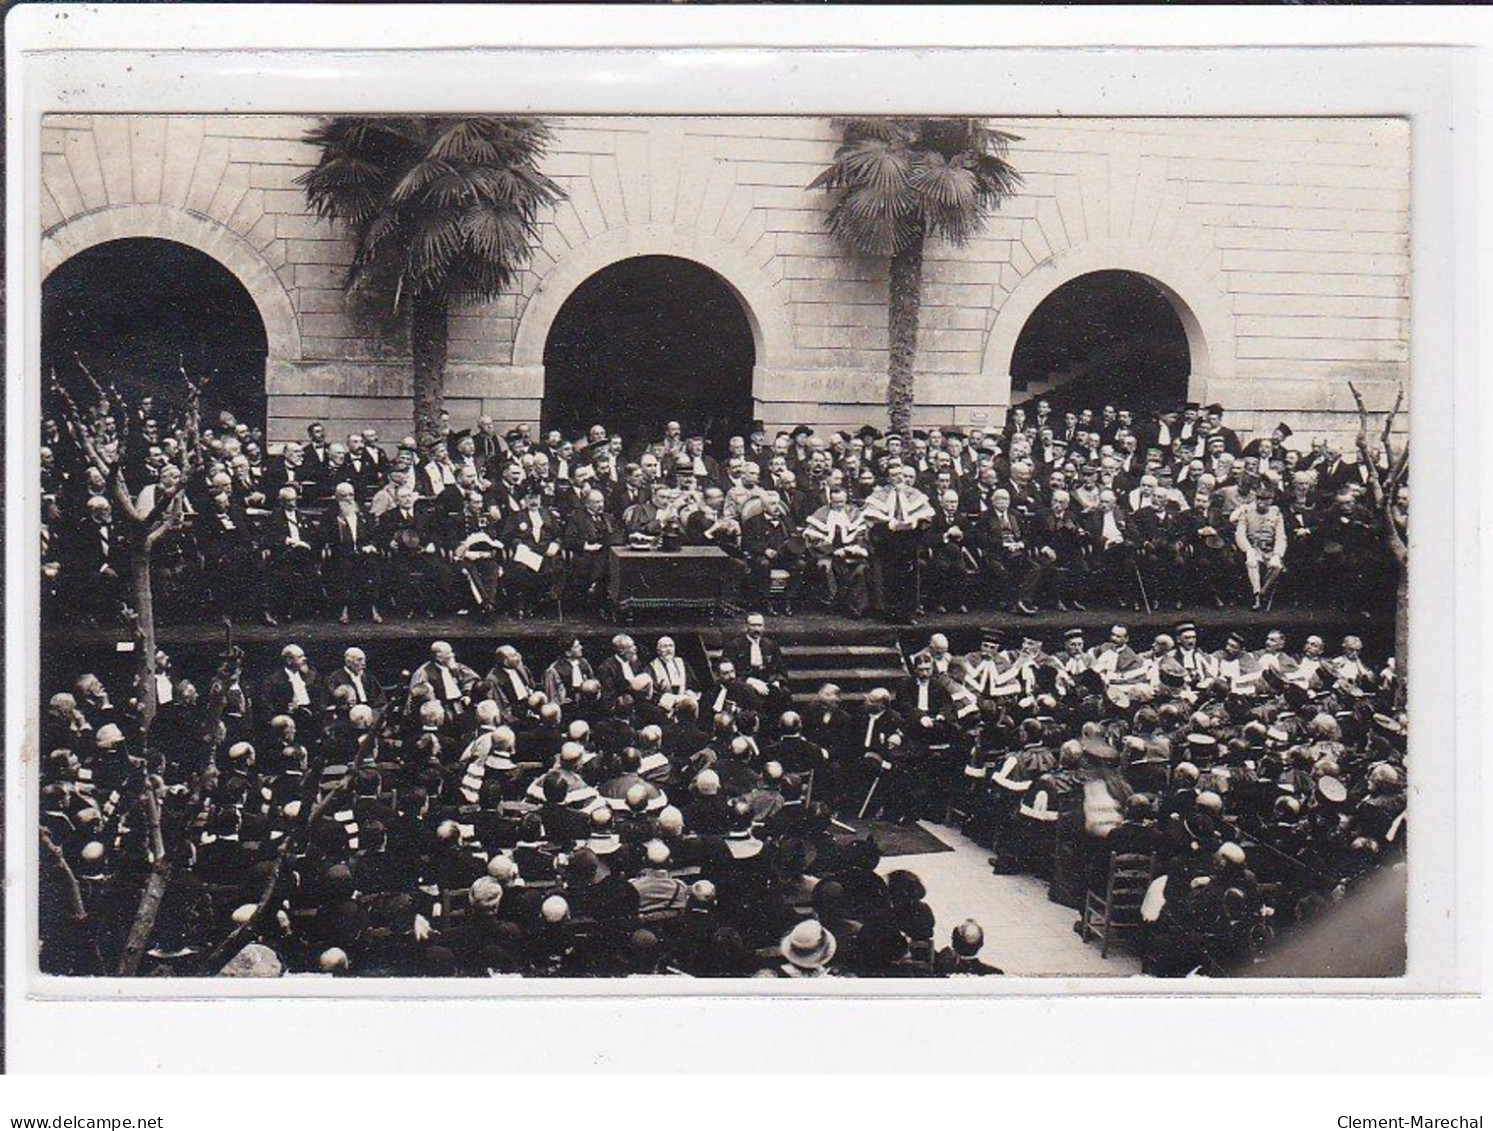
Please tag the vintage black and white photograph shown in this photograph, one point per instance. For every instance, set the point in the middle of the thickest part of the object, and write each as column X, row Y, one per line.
column 723, row 547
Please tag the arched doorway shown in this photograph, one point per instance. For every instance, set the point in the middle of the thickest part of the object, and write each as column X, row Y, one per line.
column 647, row 340
column 1106, row 337
column 136, row 310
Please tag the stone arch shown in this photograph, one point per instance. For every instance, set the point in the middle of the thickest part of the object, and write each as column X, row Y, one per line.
column 762, row 303
column 1204, row 310
column 81, row 232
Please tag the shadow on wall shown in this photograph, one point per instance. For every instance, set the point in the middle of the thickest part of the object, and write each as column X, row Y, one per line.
column 1109, row 337
column 645, row 341
column 136, row 310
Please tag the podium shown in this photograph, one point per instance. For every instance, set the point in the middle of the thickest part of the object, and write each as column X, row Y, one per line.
column 691, row 579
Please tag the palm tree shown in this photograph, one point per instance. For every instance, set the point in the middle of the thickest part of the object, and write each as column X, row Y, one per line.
column 896, row 181
column 444, row 209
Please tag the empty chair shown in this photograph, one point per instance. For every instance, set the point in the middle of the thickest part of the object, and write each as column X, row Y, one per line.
column 1115, row 915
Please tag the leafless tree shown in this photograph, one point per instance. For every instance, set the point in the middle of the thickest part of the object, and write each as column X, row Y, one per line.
column 141, row 531
column 1388, row 468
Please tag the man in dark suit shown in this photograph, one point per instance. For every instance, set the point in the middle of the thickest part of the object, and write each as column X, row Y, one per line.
column 1111, row 548
column 1064, row 543
column 315, row 457
column 95, row 562
column 683, row 735
column 289, row 469
column 874, row 757
column 352, row 553
column 354, row 674
column 795, row 753
column 758, row 657
column 922, row 698
column 948, row 576
column 770, row 543
column 294, row 689
column 413, row 577
column 630, row 492
column 360, row 469
column 589, row 536
column 1003, row 552
column 291, row 554
column 827, row 722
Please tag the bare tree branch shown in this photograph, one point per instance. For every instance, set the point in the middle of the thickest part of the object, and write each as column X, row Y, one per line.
column 1389, row 419
column 69, row 877
column 171, row 520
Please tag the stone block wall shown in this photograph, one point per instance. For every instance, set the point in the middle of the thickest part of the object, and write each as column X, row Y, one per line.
column 1284, row 245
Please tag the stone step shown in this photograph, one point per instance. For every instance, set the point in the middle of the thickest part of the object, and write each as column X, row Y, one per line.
column 803, row 699
column 845, row 675
column 860, row 655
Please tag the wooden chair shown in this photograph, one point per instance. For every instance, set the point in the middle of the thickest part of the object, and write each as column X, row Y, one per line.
column 1115, row 915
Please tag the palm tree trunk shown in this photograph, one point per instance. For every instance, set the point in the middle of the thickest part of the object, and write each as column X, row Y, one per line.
column 904, row 299
column 429, row 337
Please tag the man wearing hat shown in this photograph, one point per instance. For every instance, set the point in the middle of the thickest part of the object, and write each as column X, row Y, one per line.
column 989, row 672
column 1200, row 667
column 807, row 950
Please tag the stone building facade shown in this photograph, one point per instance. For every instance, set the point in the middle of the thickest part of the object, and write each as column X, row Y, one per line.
column 1283, row 246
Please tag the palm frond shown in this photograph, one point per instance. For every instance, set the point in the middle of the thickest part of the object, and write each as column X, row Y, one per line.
column 949, row 192
column 893, row 180
column 437, row 203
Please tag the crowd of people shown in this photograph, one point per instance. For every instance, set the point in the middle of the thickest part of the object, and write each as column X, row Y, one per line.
column 1050, row 511
column 641, row 816
column 627, row 814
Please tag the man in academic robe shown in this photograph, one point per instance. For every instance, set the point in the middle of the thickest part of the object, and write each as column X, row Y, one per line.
column 896, row 515
column 564, row 678
column 536, row 568
column 509, row 682
column 670, row 674
column 445, row 680
column 836, row 536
